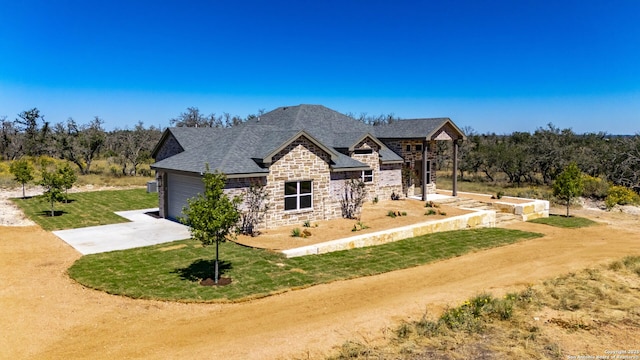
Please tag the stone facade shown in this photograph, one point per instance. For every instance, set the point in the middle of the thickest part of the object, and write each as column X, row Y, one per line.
column 301, row 160
column 169, row 148
column 411, row 152
column 390, row 181
column 367, row 152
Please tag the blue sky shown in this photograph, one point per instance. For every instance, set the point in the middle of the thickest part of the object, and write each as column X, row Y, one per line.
column 498, row 66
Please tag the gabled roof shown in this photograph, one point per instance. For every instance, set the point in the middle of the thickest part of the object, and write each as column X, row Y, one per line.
column 417, row 128
column 247, row 149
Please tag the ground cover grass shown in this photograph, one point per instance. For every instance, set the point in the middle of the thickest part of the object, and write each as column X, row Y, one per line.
column 172, row 271
column 590, row 309
column 571, row 222
column 86, row 208
column 475, row 184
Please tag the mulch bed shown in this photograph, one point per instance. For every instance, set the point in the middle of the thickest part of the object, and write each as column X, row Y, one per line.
column 221, row 282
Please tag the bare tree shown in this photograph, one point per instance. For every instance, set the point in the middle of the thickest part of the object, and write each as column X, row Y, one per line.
column 353, row 198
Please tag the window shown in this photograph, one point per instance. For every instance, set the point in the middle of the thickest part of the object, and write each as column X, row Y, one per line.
column 427, row 173
column 298, row 195
column 367, row 176
column 408, row 147
column 419, row 147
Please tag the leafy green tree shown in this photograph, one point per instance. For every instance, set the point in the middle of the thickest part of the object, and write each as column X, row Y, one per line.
column 569, row 184
column 80, row 143
column 212, row 216
column 22, row 172
column 53, row 183
column 68, row 177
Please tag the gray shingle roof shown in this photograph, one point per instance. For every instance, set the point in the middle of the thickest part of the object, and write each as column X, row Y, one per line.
column 241, row 149
column 404, row 129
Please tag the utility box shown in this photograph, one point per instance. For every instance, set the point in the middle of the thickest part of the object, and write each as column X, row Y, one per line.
column 152, row 187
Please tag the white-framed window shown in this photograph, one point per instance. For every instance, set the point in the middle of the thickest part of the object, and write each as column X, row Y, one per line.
column 427, row 172
column 298, row 195
column 366, row 176
column 408, row 147
column 419, row 147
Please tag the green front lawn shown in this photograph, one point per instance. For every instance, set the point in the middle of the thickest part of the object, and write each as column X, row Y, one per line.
column 86, row 208
column 172, row 271
column 570, row 222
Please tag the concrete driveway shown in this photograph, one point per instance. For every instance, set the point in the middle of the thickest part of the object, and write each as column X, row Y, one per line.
column 143, row 230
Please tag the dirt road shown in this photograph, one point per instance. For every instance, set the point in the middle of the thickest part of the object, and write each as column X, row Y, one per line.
column 45, row 315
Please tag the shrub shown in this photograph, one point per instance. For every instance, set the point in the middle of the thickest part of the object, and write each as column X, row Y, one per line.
column 431, row 204
column 353, row 198
column 594, row 187
column 391, row 214
column 430, row 212
column 296, row 233
column 306, row 223
column 620, row 195
column 359, row 226
column 256, row 200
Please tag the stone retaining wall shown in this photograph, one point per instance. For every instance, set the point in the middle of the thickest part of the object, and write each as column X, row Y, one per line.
column 477, row 219
column 527, row 211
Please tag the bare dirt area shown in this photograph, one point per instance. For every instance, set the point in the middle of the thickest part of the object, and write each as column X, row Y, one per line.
column 375, row 217
column 45, row 315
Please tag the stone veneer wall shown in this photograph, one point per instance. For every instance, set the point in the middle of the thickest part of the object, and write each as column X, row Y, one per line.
column 161, row 180
column 390, row 181
column 300, row 160
column 373, row 160
column 169, row 148
column 399, row 146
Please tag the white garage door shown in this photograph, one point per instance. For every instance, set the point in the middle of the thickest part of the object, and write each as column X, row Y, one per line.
column 179, row 189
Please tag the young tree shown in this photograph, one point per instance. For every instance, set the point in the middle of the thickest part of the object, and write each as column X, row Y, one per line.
column 568, row 185
column 68, row 178
column 53, row 184
column 212, row 216
column 22, row 172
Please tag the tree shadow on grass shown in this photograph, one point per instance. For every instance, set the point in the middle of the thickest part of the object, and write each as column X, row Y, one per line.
column 47, row 213
column 202, row 269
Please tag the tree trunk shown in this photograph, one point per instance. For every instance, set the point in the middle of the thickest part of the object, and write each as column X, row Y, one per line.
column 52, row 211
column 23, row 196
column 568, row 203
column 215, row 265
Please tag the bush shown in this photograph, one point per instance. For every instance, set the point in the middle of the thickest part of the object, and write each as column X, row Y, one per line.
column 594, row 187
column 296, row 232
column 620, row 195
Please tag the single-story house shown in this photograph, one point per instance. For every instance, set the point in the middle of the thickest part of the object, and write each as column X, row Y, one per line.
column 302, row 155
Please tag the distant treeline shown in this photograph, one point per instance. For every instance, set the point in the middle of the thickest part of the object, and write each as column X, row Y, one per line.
column 519, row 157
column 539, row 157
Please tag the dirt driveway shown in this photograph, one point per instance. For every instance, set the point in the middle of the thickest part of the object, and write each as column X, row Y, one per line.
column 45, row 315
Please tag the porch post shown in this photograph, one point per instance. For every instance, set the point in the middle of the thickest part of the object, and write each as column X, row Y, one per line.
column 455, row 168
column 424, row 169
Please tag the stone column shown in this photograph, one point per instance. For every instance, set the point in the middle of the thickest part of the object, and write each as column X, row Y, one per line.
column 455, row 168
column 425, row 154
